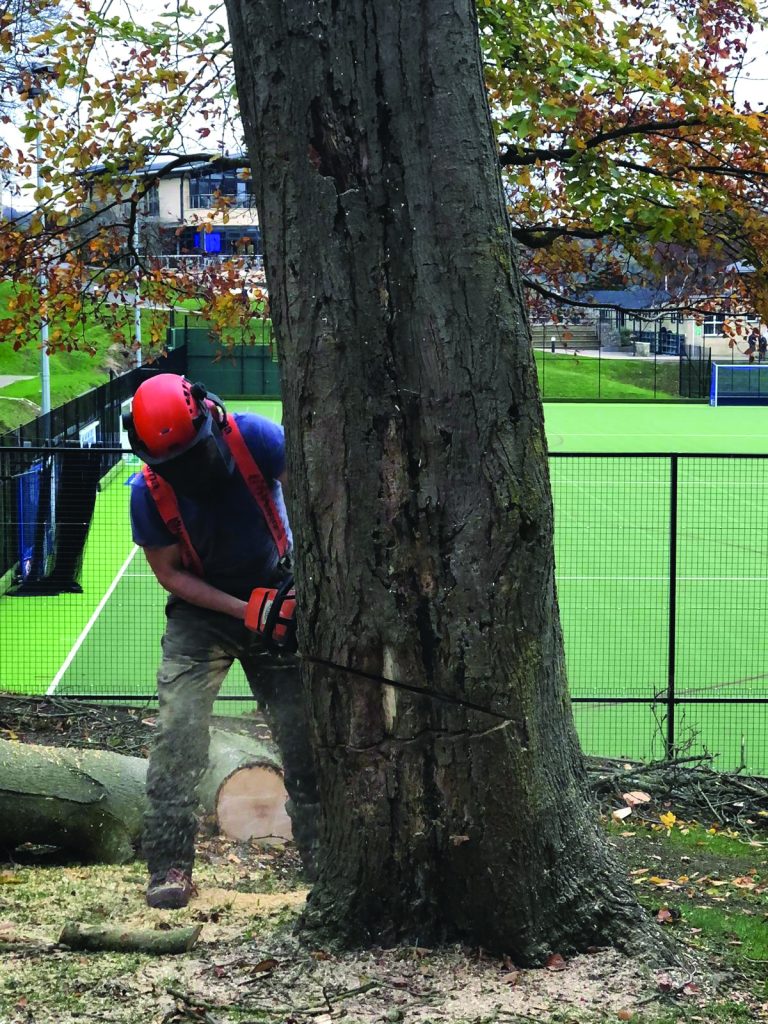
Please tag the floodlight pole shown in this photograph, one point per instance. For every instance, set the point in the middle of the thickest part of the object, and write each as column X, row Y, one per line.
column 137, row 286
column 32, row 92
column 45, row 366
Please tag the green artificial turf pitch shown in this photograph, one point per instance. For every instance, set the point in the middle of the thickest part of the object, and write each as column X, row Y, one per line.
column 612, row 545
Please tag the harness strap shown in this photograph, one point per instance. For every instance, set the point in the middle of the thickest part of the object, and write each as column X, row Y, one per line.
column 257, row 485
column 168, row 506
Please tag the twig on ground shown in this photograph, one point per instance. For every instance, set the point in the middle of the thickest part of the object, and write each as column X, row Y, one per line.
column 315, row 1008
column 192, row 1008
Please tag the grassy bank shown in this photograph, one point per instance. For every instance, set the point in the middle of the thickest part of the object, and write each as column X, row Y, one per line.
column 570, row 376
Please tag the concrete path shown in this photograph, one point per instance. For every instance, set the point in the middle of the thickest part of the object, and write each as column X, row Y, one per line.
column 7, row 378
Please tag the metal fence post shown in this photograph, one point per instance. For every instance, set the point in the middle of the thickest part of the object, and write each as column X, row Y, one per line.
column 672, row 630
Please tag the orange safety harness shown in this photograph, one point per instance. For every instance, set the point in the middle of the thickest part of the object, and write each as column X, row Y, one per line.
column 168, row 505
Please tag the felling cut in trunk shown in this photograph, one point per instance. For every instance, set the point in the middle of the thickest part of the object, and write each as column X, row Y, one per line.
column 92, row 802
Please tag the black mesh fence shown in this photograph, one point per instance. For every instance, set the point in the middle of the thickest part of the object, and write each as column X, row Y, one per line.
column 587, row 371
column 662, row 573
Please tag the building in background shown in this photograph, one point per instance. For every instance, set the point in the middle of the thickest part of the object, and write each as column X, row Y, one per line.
column 195, row 210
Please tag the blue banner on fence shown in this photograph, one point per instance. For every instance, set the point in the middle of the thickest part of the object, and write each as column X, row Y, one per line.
column 35, row 522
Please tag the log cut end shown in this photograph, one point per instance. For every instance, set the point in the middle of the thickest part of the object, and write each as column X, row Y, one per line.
column 250, row 804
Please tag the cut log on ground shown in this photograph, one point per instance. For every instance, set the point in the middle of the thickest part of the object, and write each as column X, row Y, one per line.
column 89, row 802
column 128, row 940
column 243, row 786
column 92, row 802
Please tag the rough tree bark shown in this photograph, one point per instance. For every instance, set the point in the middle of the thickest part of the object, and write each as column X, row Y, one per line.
column 419, row 489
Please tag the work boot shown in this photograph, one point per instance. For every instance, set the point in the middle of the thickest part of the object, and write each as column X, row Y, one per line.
column 170, row 891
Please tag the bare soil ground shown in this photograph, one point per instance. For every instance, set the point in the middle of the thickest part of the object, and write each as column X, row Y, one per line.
column 249, row 966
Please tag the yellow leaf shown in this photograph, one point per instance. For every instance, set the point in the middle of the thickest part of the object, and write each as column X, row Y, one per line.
column 668, row 819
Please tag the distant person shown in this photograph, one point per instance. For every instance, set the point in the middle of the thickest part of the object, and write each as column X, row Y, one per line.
column 208, row 512
column 762, row 348
column 753, row 343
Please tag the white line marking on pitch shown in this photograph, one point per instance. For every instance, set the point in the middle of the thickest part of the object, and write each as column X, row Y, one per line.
column 661, row 579
column 91, row 622
column 654, row 434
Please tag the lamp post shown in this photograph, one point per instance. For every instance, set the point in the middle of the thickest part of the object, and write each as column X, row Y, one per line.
column 45, row 362
column 33, row 92
column 137, row 286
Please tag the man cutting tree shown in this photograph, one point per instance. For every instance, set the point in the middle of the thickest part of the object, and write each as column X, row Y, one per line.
column 209, row 514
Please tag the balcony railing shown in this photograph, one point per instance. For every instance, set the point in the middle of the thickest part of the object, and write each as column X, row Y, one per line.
column 189, row 261
column 207, row 201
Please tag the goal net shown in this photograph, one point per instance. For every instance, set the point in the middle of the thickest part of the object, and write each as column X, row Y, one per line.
column 739, row 385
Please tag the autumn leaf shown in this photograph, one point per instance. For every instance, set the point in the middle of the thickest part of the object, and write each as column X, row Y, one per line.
column 668, row 915
column 555, row 963
column 744, row 882
column 263, row 966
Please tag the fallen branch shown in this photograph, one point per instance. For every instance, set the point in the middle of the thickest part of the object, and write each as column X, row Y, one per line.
column 688, row 786
column 26, row 947
column 122, row 940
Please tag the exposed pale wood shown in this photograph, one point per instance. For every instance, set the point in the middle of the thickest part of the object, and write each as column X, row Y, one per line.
column 251, row 804
column 243, row 786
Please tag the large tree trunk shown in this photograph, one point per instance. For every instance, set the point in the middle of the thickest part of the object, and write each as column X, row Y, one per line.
column 419, row 489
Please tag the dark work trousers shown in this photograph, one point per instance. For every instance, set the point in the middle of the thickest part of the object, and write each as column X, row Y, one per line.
column 199, row 647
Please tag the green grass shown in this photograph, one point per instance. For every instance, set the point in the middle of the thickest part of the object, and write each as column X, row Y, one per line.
column 724, row 927
column 725, row 1012
column 700, row 878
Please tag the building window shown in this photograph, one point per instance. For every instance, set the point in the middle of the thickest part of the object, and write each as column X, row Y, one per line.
column 714, row 323
column 244, row 242
column 150, row 203
column 206, row 188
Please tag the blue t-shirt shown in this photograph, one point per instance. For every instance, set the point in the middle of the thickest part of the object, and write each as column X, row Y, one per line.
column 228, row 530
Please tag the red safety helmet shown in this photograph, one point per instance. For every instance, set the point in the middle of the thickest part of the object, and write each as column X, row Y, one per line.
column 169, row 414
column 173, row 426
column 166, row 417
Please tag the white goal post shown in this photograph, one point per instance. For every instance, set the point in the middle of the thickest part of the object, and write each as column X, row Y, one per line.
column 739, row 384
